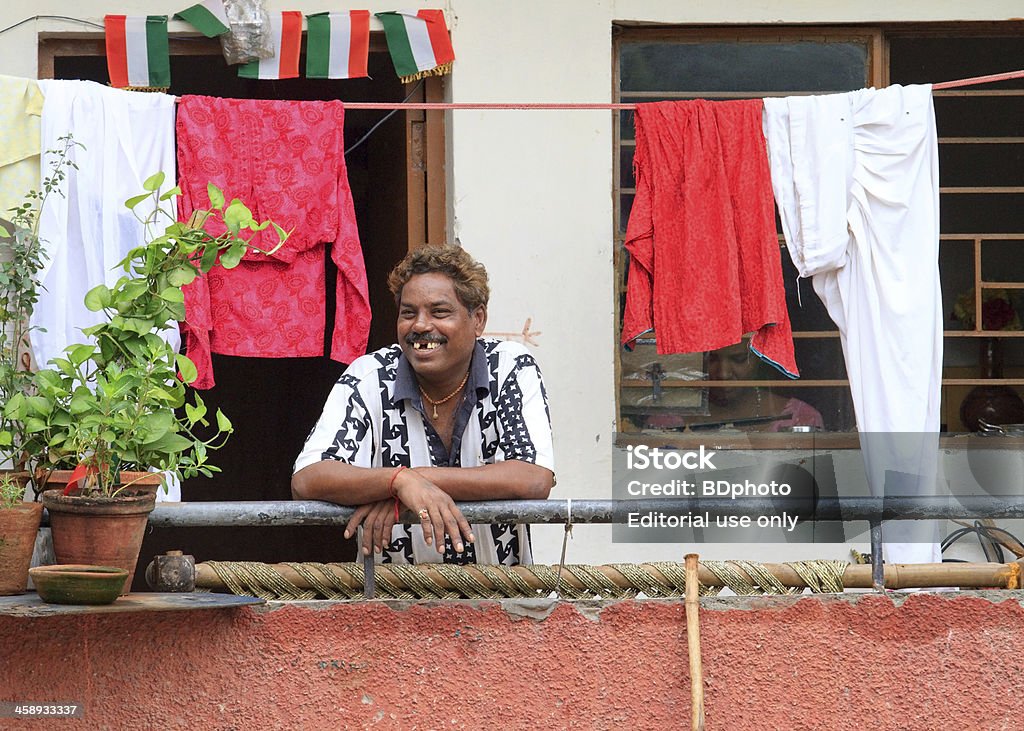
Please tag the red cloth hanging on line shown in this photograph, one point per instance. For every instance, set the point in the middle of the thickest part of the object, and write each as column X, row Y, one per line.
column 286, row 161
column 705, row 266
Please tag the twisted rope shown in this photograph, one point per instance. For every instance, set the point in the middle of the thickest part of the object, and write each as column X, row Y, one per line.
column 326, row 583
column 822, row 577
column 249, row 578
column 574, row 581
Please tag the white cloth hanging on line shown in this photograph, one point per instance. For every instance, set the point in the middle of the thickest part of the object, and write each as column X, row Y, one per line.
column 86, row 231
column 856, row 182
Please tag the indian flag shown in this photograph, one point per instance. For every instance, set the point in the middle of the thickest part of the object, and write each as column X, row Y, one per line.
column 286, row 33
column 137, row 54
column 208, row 17
column 337, row 45
column 418, row 42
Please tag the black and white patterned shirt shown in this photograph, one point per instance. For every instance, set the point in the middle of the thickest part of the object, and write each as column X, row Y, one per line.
column 374, row 418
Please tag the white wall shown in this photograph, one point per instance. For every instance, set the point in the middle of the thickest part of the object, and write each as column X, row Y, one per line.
column 531, row 191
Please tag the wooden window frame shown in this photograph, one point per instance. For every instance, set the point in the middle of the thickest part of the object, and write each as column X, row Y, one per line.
column 877, row 37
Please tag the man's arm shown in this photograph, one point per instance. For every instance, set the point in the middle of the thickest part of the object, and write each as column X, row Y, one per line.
column 371, row 489
column 430, row 489
column 341, row 483
column 511, row 480
column 345, row 484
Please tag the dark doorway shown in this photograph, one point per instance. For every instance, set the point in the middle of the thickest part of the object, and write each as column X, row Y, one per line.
column 273, row 403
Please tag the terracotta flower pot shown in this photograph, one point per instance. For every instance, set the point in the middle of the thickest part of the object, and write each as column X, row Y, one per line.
column 18, row 528
column 99, row 531
column 140, row 481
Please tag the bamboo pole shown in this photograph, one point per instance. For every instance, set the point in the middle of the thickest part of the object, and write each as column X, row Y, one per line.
column 855, row 576
column 693, row 644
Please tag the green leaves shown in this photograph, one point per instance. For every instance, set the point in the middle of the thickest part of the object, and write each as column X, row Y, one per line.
column 39, row 405
column 136, row 325
column 80, row 405
column 98, row 298
column 170, row 444
column 136, row 200
column 180, row 276
column 154, row 181
column 282, row 236
column 196, row 412
column 34, row 424
column 187, row 368
column 119, row 398
column 15, row 406
column 172, row 294
column 223, row 423
column 231, row 258
column 216, row 196
column 78, row 354
column 237, row 216
column 130, row 291
column 209, row 258
column 156, row 426
column 171, row 193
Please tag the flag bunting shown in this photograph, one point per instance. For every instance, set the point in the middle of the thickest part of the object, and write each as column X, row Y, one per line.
column 418, row 42
column 286, row 33
column 337, row 45
column 207, row 17
column 137, row 53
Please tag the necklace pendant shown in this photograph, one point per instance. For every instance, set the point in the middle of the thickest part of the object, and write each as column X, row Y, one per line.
column 435, row 411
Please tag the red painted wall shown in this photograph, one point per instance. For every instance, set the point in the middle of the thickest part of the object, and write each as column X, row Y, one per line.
column 947, row 661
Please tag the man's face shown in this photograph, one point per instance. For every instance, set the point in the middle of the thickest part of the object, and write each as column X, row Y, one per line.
column 734, row 363
column 435, row 330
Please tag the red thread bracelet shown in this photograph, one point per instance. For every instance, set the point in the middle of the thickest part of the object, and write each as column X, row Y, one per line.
column 391, row 483
column 394, row 493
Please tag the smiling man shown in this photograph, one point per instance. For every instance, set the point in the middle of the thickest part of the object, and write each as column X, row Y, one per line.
column 443, row 415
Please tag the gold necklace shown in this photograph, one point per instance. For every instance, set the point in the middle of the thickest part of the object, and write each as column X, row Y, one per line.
column 449, row 397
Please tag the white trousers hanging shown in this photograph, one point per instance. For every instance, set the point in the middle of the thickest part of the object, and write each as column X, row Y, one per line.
column 855, row 177
column 127, row 137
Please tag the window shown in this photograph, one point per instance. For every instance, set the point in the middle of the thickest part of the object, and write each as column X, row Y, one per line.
column 982, row 216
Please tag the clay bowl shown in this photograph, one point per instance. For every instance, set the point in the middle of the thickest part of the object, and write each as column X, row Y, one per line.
column 78, row 583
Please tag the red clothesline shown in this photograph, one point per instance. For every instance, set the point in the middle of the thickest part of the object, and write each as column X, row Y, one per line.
column 990, row 79
column 546, row 105
column 430, row 106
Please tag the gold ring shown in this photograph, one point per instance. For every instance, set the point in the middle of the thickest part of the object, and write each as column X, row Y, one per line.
column 424, row 514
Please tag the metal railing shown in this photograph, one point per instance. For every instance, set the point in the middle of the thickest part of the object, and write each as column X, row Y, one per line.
column 874, row 510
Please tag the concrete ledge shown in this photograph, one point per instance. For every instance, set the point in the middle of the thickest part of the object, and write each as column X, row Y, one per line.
column 849, row 662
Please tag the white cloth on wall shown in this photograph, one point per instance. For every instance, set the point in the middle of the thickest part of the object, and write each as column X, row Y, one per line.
column 856, row 180
column 87, row 231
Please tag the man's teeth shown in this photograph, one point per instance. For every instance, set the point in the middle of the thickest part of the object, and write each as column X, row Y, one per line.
column 426, row 346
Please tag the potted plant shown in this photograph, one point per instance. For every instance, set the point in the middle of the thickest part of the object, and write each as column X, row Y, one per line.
column 19, row 524
column 117, row 403
column 20, row 263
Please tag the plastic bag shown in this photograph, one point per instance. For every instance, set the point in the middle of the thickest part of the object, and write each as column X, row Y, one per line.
column 250, row 36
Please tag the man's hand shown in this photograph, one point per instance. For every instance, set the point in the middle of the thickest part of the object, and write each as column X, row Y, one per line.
column 377, row 519
column 436, row 510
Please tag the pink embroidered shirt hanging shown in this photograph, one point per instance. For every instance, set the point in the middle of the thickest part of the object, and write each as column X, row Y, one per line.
column 285, row 160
